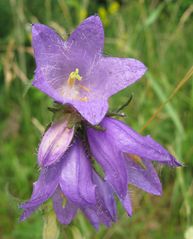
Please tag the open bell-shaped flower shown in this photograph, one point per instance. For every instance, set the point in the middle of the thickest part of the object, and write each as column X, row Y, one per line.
column 75, row 71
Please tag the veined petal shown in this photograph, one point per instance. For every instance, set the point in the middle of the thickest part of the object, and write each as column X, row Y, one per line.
column 145, row 178
column 88, row 39
column 76, row 176
column 91, row 214
column 104, row 211
column 93, row 110
column 43, row 189
column 126, row 202
column 105, row 192
column 97, row 217
column 27, row 213
column 133, row 143
column 103, row 148
column 65, row 214
column 52, row 64
column 48, row 46
column 55, row 142
column 45, row 186
column 112, row 74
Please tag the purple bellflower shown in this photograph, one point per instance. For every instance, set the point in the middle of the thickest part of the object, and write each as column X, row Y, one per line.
column 74, row 179
column 124, row 155
column 80, row 80
column 76, row 72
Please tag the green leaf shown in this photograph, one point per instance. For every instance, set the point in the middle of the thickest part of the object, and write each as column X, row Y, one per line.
column 154, row 15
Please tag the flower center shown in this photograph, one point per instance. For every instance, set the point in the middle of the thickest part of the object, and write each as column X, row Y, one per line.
column 74, row 75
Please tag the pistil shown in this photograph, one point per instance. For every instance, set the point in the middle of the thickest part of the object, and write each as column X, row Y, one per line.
column 74, row 75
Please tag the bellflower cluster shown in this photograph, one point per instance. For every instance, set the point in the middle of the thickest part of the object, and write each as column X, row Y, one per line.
column 80, row 79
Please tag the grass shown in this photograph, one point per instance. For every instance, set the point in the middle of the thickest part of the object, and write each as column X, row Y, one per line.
column 159, row 33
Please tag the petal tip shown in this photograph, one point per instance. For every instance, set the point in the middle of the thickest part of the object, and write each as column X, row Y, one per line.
column 36, row 28
column 94, row 18
column 158, row 192
column 130, row 213
column 174, row 162
column 22, row 218
column 142, row 67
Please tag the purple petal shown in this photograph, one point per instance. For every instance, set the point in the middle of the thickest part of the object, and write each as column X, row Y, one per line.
column 27, row 213
column 93, row 110
column 88, row 39
column 91, row 214
column 126, row 202
column 45, row 187
column 144, row 178
column 55, row 142
column 103, row 147
column 105, row 193
column 50, row 56
column 112, row 74
column 98, row 214
column 64, row 214
column 48, row 45
column 104, row 211
column 76, row 177
column 133, row 143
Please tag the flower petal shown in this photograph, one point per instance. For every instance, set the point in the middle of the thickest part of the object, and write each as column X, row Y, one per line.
column 91, row 214
column 105, row 193
column 104, row 211
column 145, row 178
column 45, row 187
column 112, row 74
column 131, row 142
column 126, row 202
column 51, row 60
column 27, row 213
column 97, row 216
column 64, row 214
column 103, row 148
column 93, row 111
column 76, row 176
column 55, row 142
column 88, row 38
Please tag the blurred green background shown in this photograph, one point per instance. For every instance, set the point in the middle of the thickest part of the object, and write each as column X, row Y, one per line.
column 159, row 33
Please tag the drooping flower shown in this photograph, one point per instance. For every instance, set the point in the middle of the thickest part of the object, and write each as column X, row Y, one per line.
column 76, row 74
column 126, row 158
column 75, row 71
column 74, row 179
column 72, row 174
